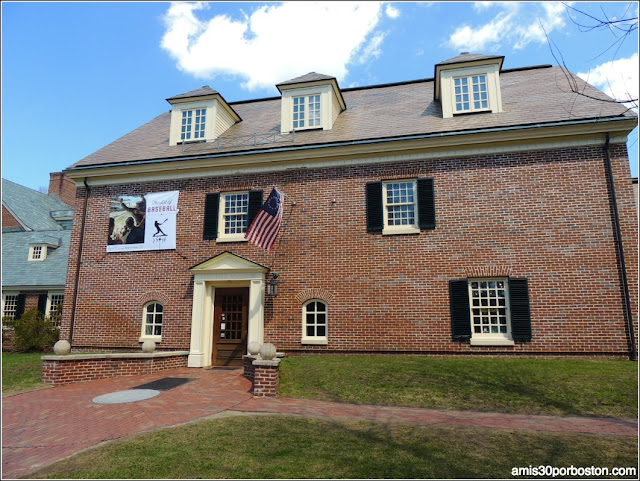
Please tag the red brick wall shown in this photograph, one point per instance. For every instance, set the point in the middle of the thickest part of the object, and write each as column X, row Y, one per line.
column 59, row 372
column 8, row 220
column 63, row 187
column 542, row 215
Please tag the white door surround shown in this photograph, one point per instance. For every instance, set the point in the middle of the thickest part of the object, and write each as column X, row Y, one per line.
column 224, row 270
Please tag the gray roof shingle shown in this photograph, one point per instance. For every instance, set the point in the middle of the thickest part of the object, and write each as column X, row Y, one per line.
column 30, row 207
column 309, row 77
column 205, row 90
column 529, row 97
column 18, row 271
column 468, row 57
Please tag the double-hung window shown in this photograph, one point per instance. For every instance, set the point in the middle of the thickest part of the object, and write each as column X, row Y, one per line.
column 54, row 308
column 400, row 206
column 233, row 215
column 9, row 306
column 490, row 311
column 470, row 93
column 193, row 123
column 489, row 302
column 306, row 112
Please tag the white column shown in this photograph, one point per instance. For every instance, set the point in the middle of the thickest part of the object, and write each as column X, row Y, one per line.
column 256, row 311
column 196, row 354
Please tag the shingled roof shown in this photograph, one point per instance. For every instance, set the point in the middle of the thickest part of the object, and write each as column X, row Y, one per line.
column 205, row 90
column 468, row 57
column 19, row 272
column 31, row 208
column 531, row 96
column 309, row 77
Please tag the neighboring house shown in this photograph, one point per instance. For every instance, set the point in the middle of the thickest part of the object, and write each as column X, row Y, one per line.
column 36, row 230
column 469, row 213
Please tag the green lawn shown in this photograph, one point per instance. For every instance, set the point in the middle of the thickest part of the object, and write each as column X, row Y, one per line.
column 21, row 372
column 513, row 385
column 267, row 447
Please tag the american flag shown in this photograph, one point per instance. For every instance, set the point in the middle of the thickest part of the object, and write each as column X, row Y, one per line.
column 264, row 228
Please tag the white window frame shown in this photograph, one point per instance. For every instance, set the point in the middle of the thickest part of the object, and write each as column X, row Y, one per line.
column 471, row 101
column 201, row 132
column 222, row 236
column 4, row 300
column 37, row 248
column 152, row 337
column 447, row 88
column 306, row 111
column 50, row 305
column 317, row 340
column 490, row 339
column 400, row 229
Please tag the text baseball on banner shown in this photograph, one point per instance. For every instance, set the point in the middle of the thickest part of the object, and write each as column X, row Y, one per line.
column 143, row 222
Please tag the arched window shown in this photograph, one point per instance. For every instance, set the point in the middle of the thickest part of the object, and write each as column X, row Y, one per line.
column 152, row 320
column 315, row 322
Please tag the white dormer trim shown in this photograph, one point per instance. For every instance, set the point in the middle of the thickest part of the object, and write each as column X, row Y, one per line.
column 447, row 93
column 219, row 117
column 331, row 103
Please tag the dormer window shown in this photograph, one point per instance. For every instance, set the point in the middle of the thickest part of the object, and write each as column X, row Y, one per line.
column 306, row 112
column 312, row 101
column 199, row 115
column 37, row 252
column 471, row 93
column 193, row 122
column 469, row 83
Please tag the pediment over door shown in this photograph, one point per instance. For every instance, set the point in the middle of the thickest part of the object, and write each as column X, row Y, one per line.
column 227, row 261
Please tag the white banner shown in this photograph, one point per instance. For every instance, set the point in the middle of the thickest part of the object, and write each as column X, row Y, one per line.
column 143, row 222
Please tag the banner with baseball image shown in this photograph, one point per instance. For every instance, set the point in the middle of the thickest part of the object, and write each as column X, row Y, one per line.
column 143, row 222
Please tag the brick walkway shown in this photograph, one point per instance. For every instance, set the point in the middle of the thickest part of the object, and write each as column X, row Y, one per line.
column 41, row 427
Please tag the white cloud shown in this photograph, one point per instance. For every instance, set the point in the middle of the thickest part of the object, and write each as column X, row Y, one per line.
column 274, row 43
column 392, row 12
column 482, row 38
column 617, row 78
column 516, row 23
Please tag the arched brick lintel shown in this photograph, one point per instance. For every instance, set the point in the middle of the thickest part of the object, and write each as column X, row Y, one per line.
column 315, row 293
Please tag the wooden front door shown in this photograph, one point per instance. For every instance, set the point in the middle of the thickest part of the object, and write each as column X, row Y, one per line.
column 231, row 306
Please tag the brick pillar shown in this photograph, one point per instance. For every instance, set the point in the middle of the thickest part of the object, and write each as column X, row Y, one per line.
column 266, row 376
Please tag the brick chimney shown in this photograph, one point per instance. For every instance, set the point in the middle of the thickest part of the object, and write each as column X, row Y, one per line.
column 62, row 187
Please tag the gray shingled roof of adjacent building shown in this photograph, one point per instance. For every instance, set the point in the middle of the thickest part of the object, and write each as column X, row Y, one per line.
column 530, row 97
column 31, row 208
column 18, row 271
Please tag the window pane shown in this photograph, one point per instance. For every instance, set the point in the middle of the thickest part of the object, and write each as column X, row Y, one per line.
column 310, row 331
column 322, row 307
column 322, row 331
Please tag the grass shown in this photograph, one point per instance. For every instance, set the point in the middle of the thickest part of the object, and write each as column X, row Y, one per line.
column 605, row 388
column 21, row 372
column 269, row 447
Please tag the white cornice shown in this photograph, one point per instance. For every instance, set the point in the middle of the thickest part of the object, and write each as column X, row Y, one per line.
column 382, row 151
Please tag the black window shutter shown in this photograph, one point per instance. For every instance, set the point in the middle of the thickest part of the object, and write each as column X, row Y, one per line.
column 375, row 219
column 460, row 315
column 255, row 202
column 20, row 306
column 426, row 204
column 520, row 312
column 42, row 303
column 211, row 205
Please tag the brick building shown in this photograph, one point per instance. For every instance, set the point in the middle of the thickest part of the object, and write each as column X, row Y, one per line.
column 36, row 229
column 481, row 211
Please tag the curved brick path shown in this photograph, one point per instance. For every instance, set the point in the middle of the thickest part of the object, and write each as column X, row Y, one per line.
column 44, row 426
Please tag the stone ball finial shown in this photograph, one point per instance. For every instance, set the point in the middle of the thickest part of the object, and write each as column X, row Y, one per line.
column 268, row 351
column 148, row 346
column 61, row 347
column 254, row 347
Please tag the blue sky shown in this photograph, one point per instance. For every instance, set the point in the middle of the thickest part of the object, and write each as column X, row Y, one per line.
column 77, row 76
